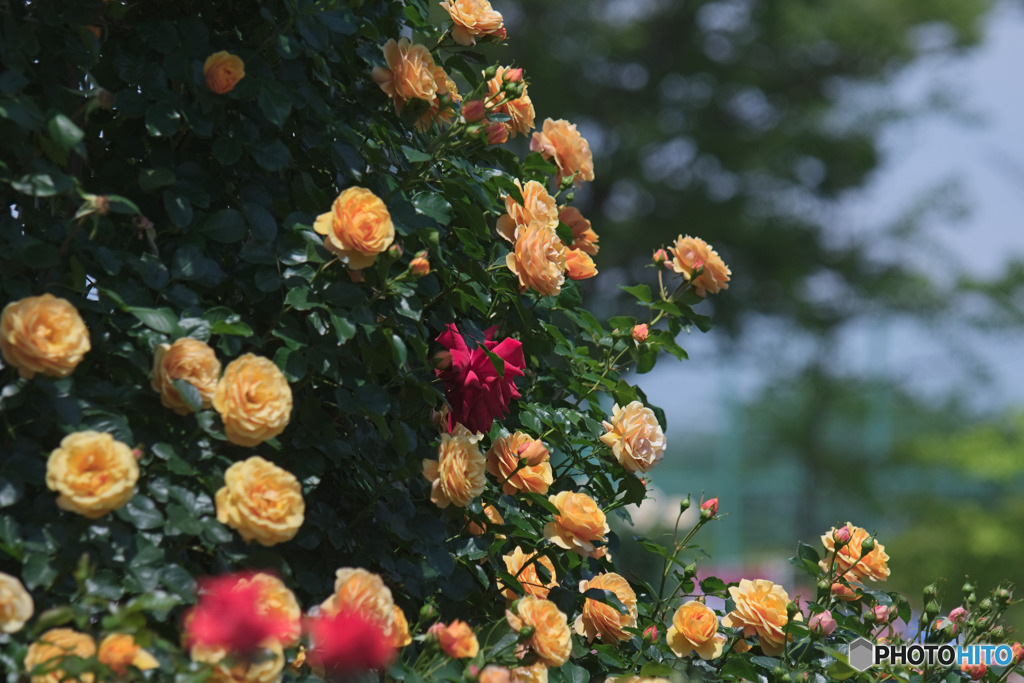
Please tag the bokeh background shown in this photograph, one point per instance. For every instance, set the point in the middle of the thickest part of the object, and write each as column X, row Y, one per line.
column 859, row 164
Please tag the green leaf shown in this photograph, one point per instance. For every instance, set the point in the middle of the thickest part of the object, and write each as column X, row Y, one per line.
column 189, row 394
column 641, row 292
column 414, row 155
column 573, row 673
column 433, row 205
column 142, row 512
column 162, row 120
column 262, row 222
column 274, row 103
column 226, row 225
column 656, row 669
column 607, row 597
column 64, row 132
column 271, row 155
column 37, row 571
column 179, row 209
column 160, row 319
column 152, row 179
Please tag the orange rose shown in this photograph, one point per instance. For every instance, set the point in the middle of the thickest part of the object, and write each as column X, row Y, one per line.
column 760, row 609
column 409, row 75
column 253, row 399
column 119, row 651
column 583, row 236
column 457, row 476
column 93, row 473
column 551, row 640
column 560, row 142
column 441, row 109
column 492, row 514
column 538, row 206
column 691, row 253
column 227, row 669
column 695, row 628
column 849, row 563
column 578, row 265
column 472, row 18
column 52, row 647
column 16, row 606
column 519, row 110
column 538, row 259
column 399, row 628
column 356, row 589
column 43, row 334
column 524, row 568
column 223, row 70
column 520, row 463
column 635, row 679
column 261, row 501
column 601, row 620
column 578, row 525
column 276, row 601
column 357, row 227
column 186, row 359
column 635, row 437
column 493, row 673
column 458, row 640
column 535, row 673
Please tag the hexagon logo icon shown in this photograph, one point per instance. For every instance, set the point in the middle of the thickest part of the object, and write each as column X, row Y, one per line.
column 862, row 654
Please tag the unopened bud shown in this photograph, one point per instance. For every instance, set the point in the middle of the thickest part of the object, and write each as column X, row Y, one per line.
column 433, row 631
column 684, row 504
column 792, row 608
column 428, row 612
column 137, row 453
column 513, row 75
column 395, row 251
column 841, row 536
column 930, row 591
column 498, row 36
column 1003, row 596
column 998, row 633
column 968, row 588
column 971, row 599
column 640, row 333
column 985, row 605
column 497, row 133
column 490, row 72
column 474, row 111
column 709, row 509
column 822, row 623
column 526, row 632
column 651, row 634
column 690, row 570
column 931, row 608
column 442, row 360
column 881, row 614
column 660, row 257
column 823, row 586
column 975, row 671
column 867, row 546
column 1018, row 653
column 957, row 615
column 420, row 266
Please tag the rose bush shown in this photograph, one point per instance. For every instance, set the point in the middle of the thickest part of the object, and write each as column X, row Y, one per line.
column 298, row 381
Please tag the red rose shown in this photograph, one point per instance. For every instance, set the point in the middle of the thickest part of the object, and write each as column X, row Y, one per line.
column 349, row 641
column 227, row 615
column 475, row 392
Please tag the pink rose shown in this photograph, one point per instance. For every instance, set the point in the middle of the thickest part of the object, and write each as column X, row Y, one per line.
column 822, row 623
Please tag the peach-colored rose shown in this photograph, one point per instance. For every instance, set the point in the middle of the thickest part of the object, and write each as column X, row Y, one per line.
column 635, row 679
column 538, row 206
column 695, row 628
column 583, row 236
column 601, row 620
column 186, row 359
column 519, row 110
column 363, row 591
column 691, row 253
column 579, row 265
column 92, row 472
column 409, row 74
column 253, row 399
column 472, row 19
column 457, row 640
column 261, row 501
column 276, row 601
column 119, row 651
column 420, row 265
column 52, row 647
column 975, row 672
column 841, row 591
column 849, row 563
column 538, row 259
column 399, row 628
column 16, row 606
column 524, row 568
column 640, row 333
column 493, row 673
column 226, row 669
column 223, row 70
column 560, row 142
column 578, row 525
column 43, row 334
column 457, row 476
column 535, row 673
column 760, row 609
column 441, row 109
column 492, row 514
column 635, row 437
column 551, row 640
column 520, row 463
column 358, row 227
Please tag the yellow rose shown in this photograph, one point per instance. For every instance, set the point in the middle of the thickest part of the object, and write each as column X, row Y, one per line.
column 535, row 673
column 492, row 514
column 457, row 640
column 278, row 602
column 579, row 265
column 519, row 110
column 399, row 628
column 695, row 627
column 849, row 563
column 691, row 253
column 457, row 476
column 223, row 70
column 186, row 359
column 524, row 568
column 261, row 501
column 42, row 334
column 52, row 647
column 409, row 74
column 253, row 399
column 560, row 142
column 635, row 437
column 226, row 669
column 119, row 651
column 538, row 206
column 520, row 463
column 362, row 591
column 551, row 640
column 760, row 609
column 601, row 620
column 472, row 19
column 16, row 606
column 358, row 227
column 578, row 524
column 92, row 473
column 583, row 236
column 538, row 259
